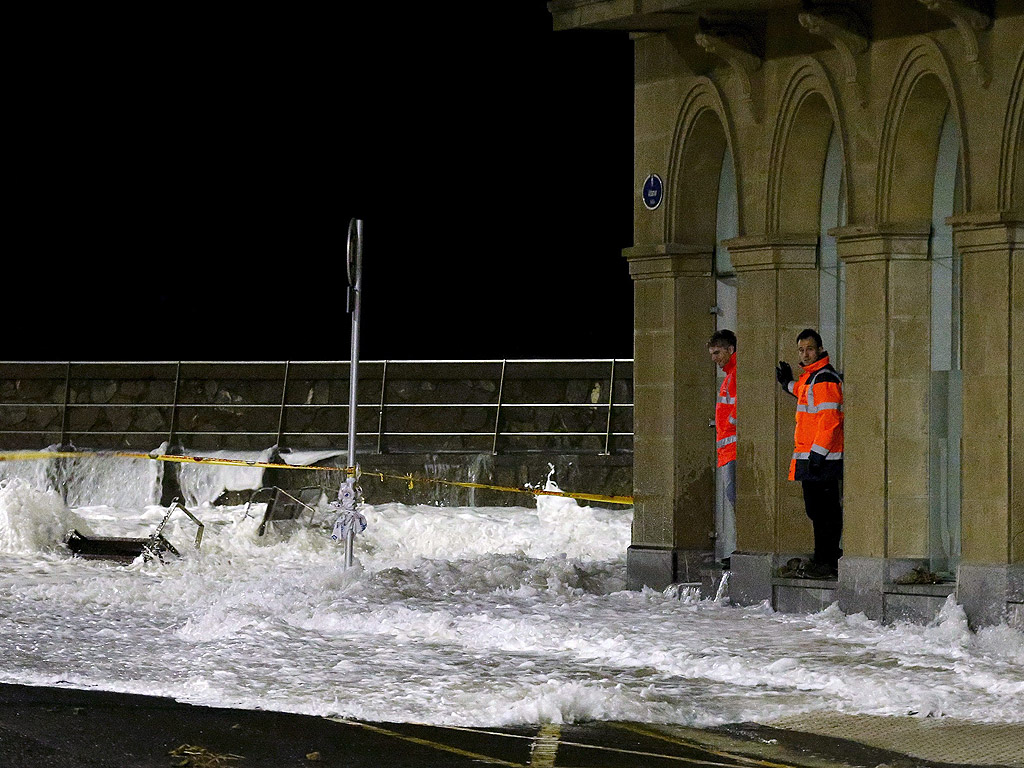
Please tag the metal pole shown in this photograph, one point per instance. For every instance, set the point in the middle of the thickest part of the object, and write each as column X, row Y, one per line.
column 284, row 400
column 611, row 398
column 355, row 280
column 380, row 413
column 64, row 410
column 172, row 434
column 497, row 413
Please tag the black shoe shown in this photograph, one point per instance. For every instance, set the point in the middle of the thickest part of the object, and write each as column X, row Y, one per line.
column 725, row 563
column 820, row 571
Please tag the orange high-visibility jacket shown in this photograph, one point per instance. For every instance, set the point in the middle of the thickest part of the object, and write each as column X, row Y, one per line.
column 819, row 421
column 725, row 415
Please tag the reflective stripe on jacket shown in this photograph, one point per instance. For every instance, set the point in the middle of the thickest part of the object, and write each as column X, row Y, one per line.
column 725, row 415
column 819, row 421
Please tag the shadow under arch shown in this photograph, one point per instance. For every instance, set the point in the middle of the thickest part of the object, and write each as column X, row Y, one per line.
column 1011, row 160
column 808, row 115
column 695, row 168
column 922, row 93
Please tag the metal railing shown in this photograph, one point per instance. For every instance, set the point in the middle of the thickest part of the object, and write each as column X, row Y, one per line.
column 273, row 403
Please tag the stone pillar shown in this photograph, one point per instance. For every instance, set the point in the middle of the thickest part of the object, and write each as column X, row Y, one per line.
column 777, row 297
column 674, row 398
column 990, row 581
column 886, row 393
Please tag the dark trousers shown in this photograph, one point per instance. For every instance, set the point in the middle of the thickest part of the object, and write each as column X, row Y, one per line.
column 823, row 506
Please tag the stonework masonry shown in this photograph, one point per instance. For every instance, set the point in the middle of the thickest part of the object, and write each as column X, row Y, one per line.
column 907, row 90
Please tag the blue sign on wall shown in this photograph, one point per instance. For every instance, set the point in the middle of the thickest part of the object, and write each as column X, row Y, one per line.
column 652, row 192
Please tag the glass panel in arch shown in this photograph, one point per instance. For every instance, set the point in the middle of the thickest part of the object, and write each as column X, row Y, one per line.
column 945, row 397
column 726, row 226
column 831, row 270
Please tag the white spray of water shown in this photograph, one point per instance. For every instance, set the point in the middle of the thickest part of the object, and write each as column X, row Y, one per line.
column 33, row 521
column 116, row 482
column 203, row 483
column 465, row 616
column 34, row 473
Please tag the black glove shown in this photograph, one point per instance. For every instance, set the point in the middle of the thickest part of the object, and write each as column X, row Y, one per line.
column 816, row 464
column 784, row 374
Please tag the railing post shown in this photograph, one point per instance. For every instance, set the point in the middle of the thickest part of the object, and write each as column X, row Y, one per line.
column 497, row 412
column 64, row 410
column 172, row 434
column 611, row 399
column 380, row 413
column 284, row 399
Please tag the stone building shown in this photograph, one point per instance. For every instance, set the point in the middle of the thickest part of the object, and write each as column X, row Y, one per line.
column 856, row 167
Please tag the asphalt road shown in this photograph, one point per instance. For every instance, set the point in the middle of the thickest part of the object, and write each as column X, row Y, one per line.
column 69, row 728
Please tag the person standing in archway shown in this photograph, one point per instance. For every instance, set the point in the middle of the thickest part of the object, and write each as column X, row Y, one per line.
column 722, row 347
column 818, row 448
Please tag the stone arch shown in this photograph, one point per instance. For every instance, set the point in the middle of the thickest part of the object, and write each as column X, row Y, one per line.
column 1011, row 158
column 808, row 113
column 922, row 92
column 695, row 164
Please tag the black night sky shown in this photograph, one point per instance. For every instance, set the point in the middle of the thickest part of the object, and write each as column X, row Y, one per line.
column 183, row 191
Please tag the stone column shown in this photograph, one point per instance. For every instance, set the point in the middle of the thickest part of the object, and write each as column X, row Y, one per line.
column 674, row 398
column 886, row 391
column 990, row 581
column 777, row 297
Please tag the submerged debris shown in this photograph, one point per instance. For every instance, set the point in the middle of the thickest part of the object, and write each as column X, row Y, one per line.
column 201, row 757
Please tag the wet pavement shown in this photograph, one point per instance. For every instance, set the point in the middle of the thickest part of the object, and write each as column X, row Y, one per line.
column 69, row 728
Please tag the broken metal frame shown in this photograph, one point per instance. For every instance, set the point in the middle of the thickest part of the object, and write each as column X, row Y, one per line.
column 269, row 515
column 127, row 549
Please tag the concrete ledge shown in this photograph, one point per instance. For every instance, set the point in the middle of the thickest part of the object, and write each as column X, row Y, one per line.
column 990, row 594
column 657, row 567
column 942, row 589
column 751, row 579
column 987, row 591
column 916, row 608
column 803, row 595
column 867, row 585
column 861, row 582
column 711, row 578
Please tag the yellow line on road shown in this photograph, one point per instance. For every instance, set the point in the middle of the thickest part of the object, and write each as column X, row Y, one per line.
column 563, row 743
column 697, row 745
column 431, row 744
column 545, row 748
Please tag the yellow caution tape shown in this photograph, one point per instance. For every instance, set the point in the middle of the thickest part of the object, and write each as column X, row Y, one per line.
column 409, row 479
column 29, row 455
column 529, row 491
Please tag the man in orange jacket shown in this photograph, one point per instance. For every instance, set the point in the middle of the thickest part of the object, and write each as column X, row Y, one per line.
column 818, row 448
column 722, row 347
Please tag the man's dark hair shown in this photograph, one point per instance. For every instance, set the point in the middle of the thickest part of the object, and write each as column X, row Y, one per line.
column 723, row 338
column 810, row 333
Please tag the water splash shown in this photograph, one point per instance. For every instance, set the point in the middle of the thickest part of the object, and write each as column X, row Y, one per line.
column 33, row 521
column 204, row 483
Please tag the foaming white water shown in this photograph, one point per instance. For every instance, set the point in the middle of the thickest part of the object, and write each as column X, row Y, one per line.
column 467, row 617
column 117, row 482
column 203, row 483
column 34, row 521
column 34, row 473
column 120, row 483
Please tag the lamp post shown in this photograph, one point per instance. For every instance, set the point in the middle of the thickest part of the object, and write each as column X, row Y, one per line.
column 345, row 527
